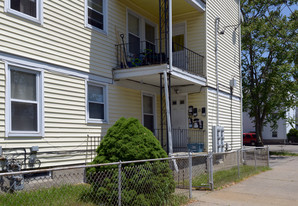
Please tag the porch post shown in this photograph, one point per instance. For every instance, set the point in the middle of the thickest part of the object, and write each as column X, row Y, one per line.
column 169, row 126
column 170, row 36
column 161, row 111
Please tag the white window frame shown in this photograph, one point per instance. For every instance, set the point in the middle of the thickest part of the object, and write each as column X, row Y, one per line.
column 142, row 22
column 105, row 18
column 105, row 102
column 39, row 11
column 39, row 97
column 154, row 108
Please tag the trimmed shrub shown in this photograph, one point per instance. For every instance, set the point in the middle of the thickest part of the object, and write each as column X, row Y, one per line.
column 293, row 135
column 142, row 183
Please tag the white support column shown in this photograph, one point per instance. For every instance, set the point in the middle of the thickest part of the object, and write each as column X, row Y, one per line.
column 169, row 126
column 170, row 36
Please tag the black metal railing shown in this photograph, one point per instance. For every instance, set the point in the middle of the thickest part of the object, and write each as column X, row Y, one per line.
column 183, row 139
column 141, row 53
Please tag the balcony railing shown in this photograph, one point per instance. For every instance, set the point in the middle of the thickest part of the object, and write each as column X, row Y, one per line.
column 183, row 139
column 142, row 53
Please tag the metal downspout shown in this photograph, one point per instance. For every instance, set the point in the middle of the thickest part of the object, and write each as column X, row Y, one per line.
column 240, row 62
column 216, row 70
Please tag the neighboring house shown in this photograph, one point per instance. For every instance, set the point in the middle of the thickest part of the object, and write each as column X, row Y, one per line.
column 269, row 135
column 69, row 69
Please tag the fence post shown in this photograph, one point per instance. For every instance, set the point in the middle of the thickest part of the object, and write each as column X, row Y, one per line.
column 210, row 156
column 238, row 162
column 268, row 156
column 190, row 174
column 255, row 156
column 119, row 183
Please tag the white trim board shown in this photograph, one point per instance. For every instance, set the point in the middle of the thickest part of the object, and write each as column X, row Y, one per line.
column 23, row 61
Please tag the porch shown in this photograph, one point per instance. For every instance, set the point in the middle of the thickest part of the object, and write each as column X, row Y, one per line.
column 184, row 140
column 133, row 55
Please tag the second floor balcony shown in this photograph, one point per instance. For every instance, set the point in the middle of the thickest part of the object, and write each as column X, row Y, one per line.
column 144, row 53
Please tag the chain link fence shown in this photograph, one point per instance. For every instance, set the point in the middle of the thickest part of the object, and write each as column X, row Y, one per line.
column 144, row 182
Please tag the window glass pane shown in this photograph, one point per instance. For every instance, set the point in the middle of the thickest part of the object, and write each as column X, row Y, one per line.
column 23, row 85
column 96, row 111
column 95, row 94
column 95, row 19
column 133, row 24
column 25, row 6
column 96, row 5
column 149, row 33
column 134, row 44
column 148, row 104
column 23, row 116
column 149, row 122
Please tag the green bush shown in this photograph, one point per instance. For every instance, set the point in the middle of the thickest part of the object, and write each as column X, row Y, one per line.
column 293, row 135
column 142, row 183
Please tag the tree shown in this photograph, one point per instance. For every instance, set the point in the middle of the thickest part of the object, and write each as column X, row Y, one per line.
column 149, row 183
column 269, row 60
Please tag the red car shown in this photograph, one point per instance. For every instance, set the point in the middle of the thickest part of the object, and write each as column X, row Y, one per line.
column 249, row 139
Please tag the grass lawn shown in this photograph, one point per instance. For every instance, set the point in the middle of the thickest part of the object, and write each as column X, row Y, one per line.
column 66, row 195
column 225, row 177
column 283, row 153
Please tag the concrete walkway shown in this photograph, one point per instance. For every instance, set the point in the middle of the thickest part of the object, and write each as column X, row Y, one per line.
column 278, row 186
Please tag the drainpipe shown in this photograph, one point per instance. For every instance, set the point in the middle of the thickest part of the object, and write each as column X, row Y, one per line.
column 241, row 94
column 216, row 69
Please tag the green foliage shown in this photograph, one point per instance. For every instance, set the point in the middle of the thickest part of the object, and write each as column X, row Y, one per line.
column 293, row 135
column 142, row 183
column 283, row 153
column 269, row 57
column 225, row 177
column 68, row 195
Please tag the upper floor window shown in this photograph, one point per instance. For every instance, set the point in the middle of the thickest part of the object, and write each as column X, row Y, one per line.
column 96, row 14
column 29, row 9
column 24, row 102
column 96, row 103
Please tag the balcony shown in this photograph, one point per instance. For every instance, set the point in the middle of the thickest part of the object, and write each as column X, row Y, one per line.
column 183, row 139
column 144, row 53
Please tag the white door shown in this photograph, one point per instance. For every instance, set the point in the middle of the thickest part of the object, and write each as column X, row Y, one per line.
column 179, row 123
column 179, row 112
column 179, row 41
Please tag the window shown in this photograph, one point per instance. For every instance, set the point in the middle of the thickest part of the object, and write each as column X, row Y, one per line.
column 148, row 112
column 96, row 103
column 141, row 34
column 134, row 34
column 96, row 14
column 274, row 133
column 29, row 9
column 24, row 102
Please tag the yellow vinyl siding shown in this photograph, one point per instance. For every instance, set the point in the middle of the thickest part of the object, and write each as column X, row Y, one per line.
column 199, row 100
column 65, row 124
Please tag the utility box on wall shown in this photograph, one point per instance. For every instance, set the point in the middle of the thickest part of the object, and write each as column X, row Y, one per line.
column 218, row 139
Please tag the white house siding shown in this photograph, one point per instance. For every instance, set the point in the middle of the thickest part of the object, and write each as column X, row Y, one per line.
column 228, row 49
column 282, row 129
column 229, row 118
column 228, row 68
